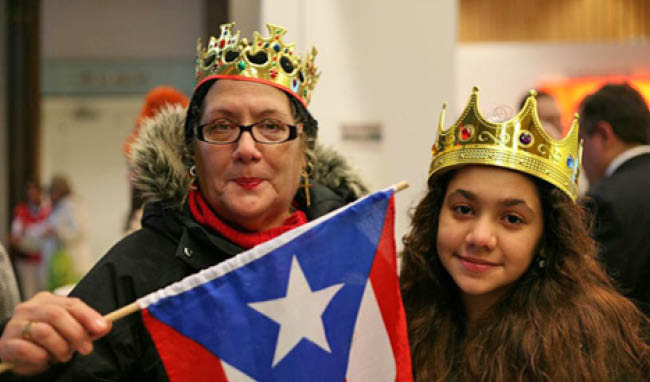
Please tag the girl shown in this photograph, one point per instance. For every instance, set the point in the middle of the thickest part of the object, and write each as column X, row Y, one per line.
column 499, row 275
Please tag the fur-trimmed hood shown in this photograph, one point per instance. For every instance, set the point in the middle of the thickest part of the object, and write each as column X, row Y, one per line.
column 159, row 162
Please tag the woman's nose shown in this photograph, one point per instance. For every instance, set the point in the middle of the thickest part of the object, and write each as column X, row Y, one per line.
column 482, row 235
column 246, row 148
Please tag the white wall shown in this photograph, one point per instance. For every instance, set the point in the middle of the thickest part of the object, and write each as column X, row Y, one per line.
column 505, row 72
column 246, row 15
column 121, row 28
column 381, row 61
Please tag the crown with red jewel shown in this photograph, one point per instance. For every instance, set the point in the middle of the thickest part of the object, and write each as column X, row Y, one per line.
column 267, row 59
column 520, row 143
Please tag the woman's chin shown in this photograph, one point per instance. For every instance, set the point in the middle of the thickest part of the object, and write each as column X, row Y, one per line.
column 250, row 214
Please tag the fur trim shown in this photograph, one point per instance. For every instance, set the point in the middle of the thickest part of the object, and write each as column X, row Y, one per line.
column 160, row 162
column 333, row 171
column 159, row 158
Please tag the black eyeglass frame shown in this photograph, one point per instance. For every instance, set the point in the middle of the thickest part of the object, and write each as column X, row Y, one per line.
column 293, row 133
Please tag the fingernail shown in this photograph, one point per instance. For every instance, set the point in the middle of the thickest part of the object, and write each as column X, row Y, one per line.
column 101, row 324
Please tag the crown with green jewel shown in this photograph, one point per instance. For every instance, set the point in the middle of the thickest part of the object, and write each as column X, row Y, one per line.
column 266, row 59
column 520, row 143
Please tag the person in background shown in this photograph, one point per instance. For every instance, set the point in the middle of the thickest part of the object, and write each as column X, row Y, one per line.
column 8, row 287
column 157, row 99
column 616, row 132
column 550, row 116
column 27, row 232
column 549, row 113
column 231, row 174
column 67, row 229
column 499, row 275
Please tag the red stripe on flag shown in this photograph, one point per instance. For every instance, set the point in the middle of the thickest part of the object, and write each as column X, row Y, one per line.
column 184, row 359
column 383, row 277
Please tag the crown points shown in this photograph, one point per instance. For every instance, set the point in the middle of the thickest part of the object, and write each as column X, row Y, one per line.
column 533, row 92
column 267, row 59
column 519, row 143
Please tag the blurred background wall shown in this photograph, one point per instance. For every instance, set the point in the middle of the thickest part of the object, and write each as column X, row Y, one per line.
column 95, row 73
column 4, row 158
column 386, row 69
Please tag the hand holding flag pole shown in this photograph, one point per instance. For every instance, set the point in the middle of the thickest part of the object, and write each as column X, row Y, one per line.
column 401, row 359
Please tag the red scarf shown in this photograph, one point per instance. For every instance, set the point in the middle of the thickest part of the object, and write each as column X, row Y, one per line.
column 204, row 215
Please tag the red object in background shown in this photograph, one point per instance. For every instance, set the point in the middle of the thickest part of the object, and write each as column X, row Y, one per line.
column 571, row 92
column 155, row 100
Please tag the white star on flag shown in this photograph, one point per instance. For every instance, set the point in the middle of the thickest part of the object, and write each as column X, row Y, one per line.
column 299, row 313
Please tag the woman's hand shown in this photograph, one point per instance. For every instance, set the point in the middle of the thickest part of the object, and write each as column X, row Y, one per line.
column 48, row 329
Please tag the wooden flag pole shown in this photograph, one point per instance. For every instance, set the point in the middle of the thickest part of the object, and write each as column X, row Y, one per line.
column 401, row 186
column 122, row 312
column 134, row 307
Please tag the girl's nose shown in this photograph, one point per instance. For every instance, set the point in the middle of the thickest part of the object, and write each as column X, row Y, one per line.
column 482, row 235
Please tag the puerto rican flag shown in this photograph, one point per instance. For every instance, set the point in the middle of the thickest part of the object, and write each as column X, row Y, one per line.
column 318, row 303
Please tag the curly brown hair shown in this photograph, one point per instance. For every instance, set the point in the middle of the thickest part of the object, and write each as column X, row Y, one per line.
column 563, row 322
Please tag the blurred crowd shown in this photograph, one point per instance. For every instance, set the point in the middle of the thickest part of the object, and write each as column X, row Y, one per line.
column 49, row 237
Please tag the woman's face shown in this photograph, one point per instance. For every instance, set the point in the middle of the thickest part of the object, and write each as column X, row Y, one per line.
column 490, row 224
column 246, row 183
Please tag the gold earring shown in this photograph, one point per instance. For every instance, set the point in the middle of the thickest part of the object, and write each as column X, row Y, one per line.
column 306, row 172
column 192, row 172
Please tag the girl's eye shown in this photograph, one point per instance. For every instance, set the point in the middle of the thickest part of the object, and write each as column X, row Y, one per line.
column 463, row 210
column 513, row 219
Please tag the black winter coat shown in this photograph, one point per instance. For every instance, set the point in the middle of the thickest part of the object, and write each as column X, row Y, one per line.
column 169, row 247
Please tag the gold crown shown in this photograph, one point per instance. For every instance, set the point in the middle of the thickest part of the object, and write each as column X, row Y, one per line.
column 268, row 60
column 520, row 143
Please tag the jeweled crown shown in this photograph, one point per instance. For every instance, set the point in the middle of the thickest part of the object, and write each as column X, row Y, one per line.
column 520, row 143
column 267, row 59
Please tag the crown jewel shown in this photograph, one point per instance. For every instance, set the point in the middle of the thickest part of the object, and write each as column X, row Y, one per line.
column 266, row 59
column 520, row 143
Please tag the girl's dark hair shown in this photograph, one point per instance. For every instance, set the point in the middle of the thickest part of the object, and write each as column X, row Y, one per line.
column 563, row 322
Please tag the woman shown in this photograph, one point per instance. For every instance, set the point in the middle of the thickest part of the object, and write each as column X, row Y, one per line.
column 226, row 178
column 500, row 279
column 66, row 237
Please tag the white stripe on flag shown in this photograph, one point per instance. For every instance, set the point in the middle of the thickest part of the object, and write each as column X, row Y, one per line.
column 233, row 374
column 371, row 355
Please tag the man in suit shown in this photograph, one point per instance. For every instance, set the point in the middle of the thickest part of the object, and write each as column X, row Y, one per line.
column 615, row 126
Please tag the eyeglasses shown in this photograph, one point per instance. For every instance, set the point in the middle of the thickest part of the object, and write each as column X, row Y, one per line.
column 223, row 131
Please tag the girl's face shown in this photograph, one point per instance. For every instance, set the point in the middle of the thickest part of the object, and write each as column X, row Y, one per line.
column 490, row 224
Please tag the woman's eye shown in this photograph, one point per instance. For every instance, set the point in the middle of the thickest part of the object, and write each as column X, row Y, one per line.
column 222, row 126
column 272, row 126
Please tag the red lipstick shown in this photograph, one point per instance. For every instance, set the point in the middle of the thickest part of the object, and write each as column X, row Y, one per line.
column 248, row 183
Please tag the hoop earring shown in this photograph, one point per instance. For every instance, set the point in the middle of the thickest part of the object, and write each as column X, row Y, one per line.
column 192, row 172
column 306, row 172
